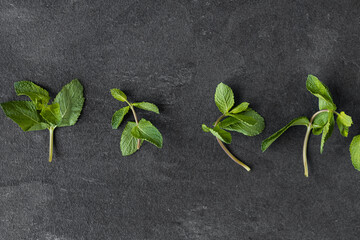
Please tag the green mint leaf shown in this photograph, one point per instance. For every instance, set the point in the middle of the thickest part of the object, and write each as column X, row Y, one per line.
column 147, row 106
column 319, row 122
column 233, row 124
column 317, row 88
column 224, row 98
column 344, row 119
column 36, row 93
column 344, row 130
column 71, row 101
column 118, row 117
column 240, row 108
column 205, row 128
column 128, row 143
column 118, row 94
column 51, row 113
column 295, row 122
column 221, row 134
column 23, row 113
column 355, row 152
column 344, row 122
column 327, row 131
column 243, row 118
column 148, row 132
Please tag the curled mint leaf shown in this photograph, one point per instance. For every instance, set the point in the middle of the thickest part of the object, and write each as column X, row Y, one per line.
column 295, row 122
column 37, row 94
column 318, row 89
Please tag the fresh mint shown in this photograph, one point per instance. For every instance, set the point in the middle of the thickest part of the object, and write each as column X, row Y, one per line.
column 38, row 114
column 240, row 119
column 322, row 122
column 136, row 132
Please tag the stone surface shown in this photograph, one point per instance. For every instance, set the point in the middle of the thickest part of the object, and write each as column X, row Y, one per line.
column 174, row 53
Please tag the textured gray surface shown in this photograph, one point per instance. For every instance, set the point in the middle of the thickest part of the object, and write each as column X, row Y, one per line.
column 174, row 53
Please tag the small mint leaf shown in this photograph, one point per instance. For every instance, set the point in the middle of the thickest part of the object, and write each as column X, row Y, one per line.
column 118, row 117
column 355, row 152
column 118, row 94
column 240, row 108
column 205, row 128
column 221, row 134
column 224, row 98
column 327, row 131
column 147, row 106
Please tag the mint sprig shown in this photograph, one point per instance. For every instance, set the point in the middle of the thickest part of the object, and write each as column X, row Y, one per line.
column 136, row 132
column 322, row 122
column 37, row 114
column 240, row 119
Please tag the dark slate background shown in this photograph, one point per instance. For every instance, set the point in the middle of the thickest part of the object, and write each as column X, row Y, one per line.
column 174, row 53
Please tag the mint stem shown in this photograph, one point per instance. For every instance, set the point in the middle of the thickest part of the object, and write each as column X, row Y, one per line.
column 306, row 140
column 51, row 142
column 227, row 151
column 136, row 120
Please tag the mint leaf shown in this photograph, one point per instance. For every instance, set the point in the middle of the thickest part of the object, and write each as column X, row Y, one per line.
column 205, row 128
column 233, row 124
column 344, row 119
column 147, row 106
column 240, row 108
column 318, row 89
column 344, row 122
column 327, row 131
column 221, row 134
column 36, row 93
column 128, row 143
column 224, row 98
column 51, row 113
column 23, row 113
column 71, row 101
column 243, row 118
column 118, row 117
column 295, row 122
column 319, row 122
column 148, row 132
column 355, row 152
column 118, row 94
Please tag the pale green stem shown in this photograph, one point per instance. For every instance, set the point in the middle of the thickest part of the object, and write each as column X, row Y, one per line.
column 51, row 142
column 227, row 151
column 306, row 140
column 136, row 121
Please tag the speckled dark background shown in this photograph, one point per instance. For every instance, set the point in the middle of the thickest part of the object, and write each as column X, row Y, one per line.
column 174, row 53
